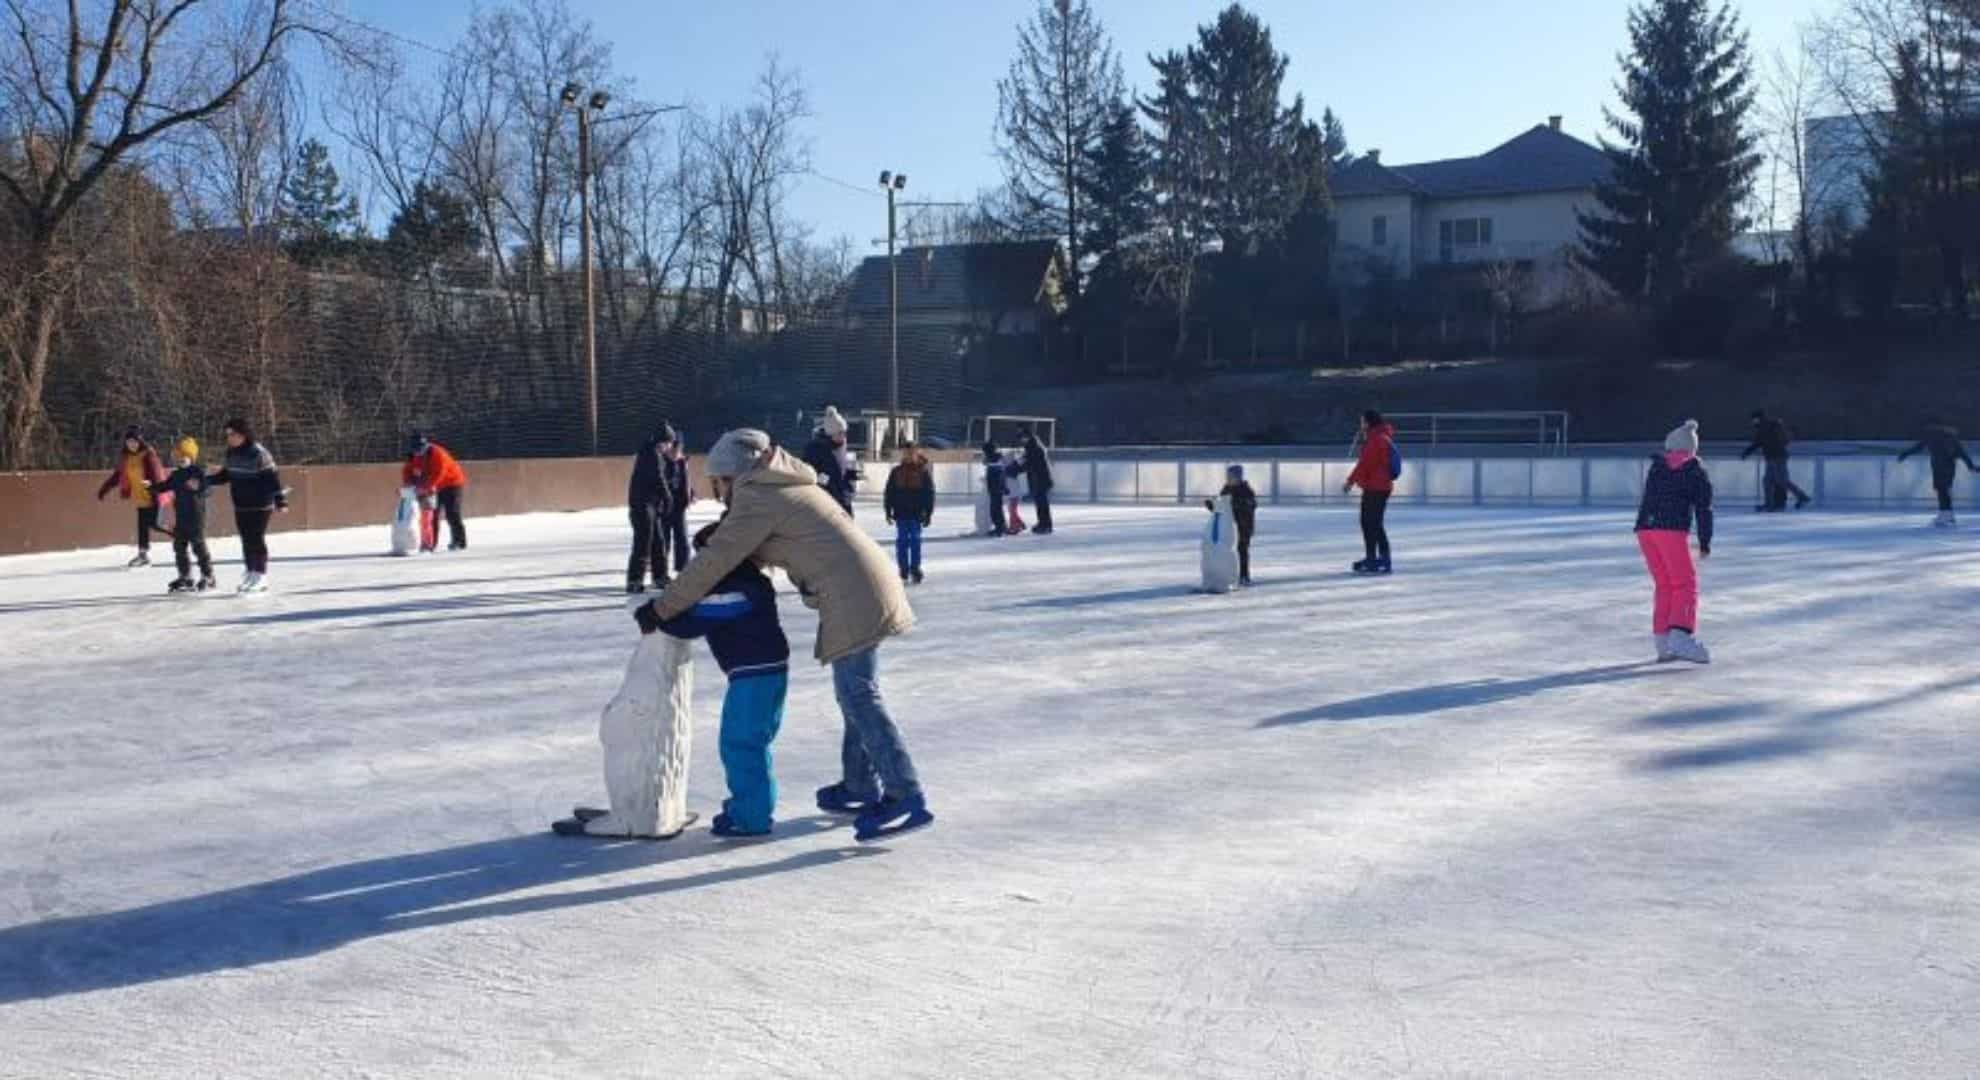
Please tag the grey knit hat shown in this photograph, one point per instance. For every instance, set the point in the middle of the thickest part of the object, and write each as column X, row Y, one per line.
column 737, row 452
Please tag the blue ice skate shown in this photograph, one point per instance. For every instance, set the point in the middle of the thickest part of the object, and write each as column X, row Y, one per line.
column 892, row 816
column 726, row 827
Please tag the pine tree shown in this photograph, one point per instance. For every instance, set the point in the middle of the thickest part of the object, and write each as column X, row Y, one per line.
column 1334, row 140
column 1179, row 214
column 1051, row 109
column 1236, row 77
column 1114, row 184
column 317, row 214
column 1684, row 158
column 437, row 225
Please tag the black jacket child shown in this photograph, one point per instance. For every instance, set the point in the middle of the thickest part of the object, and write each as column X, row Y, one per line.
column 1244, row 505
column 187, row 484
column 739, row 619
column 1672, row 496
column 250, row 476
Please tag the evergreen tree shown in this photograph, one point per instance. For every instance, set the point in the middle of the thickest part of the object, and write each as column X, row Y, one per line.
column 317, row 214
column 1684, row 158
column 1051, row 110
column 1179, row 214
column 1235, row 77
column 436, row 226
column 1334, row 140
column 1300, row 281
column 1115, row 186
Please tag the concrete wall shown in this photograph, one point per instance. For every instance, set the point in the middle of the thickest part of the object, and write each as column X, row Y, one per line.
column 58, row 511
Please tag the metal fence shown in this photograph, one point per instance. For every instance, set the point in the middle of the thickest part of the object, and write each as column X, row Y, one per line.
column 1837, row 483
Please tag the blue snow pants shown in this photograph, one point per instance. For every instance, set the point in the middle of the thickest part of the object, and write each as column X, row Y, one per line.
column 907, row 545
column 752, row 711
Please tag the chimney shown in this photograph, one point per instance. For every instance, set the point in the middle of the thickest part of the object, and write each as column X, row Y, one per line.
column 1375, row 157
column 1554, row 122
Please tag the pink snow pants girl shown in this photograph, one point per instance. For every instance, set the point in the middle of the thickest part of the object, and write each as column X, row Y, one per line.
column 1667, row 552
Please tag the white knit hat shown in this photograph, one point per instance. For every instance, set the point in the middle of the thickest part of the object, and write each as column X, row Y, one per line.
column 833, row 424
column 737, row 452
column 1685, row 438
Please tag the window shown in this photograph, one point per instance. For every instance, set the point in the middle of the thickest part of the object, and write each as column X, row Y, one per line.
column 1463, row 233
column 1381, row 230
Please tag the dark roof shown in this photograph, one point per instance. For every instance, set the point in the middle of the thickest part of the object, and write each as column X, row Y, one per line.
column 982, row 277
column 1539, row 160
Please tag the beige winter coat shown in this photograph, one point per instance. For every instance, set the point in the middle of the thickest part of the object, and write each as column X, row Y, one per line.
column 781, row 517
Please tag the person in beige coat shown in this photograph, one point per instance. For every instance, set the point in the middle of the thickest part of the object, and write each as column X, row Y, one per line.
column 779, row 516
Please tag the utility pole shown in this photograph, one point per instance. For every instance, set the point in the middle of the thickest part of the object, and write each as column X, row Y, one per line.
column 596, row 103
column 893, row 182
column 585, row 108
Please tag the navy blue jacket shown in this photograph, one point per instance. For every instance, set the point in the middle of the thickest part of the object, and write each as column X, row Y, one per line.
column 739, row 619
column 250, row 476
column 1671, row 497
column 995, row 480
column 189, row 490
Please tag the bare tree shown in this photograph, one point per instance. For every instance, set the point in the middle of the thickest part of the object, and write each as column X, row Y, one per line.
column 1795, row 96
column 754, row 154
column 82, row 98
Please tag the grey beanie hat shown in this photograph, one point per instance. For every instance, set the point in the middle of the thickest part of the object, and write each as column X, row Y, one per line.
column 736, row 452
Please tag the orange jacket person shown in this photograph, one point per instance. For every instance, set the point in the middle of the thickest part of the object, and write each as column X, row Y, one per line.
column 439, row 479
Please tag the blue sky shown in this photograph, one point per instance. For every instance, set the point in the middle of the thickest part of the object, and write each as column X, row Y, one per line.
column 912, row 87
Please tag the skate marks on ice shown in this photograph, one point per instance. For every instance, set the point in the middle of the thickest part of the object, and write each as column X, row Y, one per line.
column 1445, row 697
column 326, row 909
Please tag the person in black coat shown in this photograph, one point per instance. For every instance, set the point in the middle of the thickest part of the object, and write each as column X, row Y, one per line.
column 910, row 506
column 1038, row 476
column 248, row 472
column 1244, row 514
column 674, row 475
column 996, row 487
column 1941, row 441
column 826, row 454
column 649, row 506
column 1771, row 439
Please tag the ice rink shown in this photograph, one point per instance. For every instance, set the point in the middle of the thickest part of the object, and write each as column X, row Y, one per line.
column 1444, row 824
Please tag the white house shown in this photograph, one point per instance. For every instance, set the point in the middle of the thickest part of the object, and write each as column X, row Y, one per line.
column 1514, row 203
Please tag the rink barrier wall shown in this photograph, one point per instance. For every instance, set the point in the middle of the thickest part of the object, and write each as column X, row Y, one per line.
column 58, row 511
column 1837, row 483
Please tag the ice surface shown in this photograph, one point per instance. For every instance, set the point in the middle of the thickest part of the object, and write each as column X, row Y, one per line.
column 1441, row 824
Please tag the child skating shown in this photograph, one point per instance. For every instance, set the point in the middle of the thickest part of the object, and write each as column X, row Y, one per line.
column 910, row 504
column 1676, row 492
column 188, row 488
column 739, row 619
column 1244, row 514
column 137, row 469
column 996, row 488
column 1941, row 441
